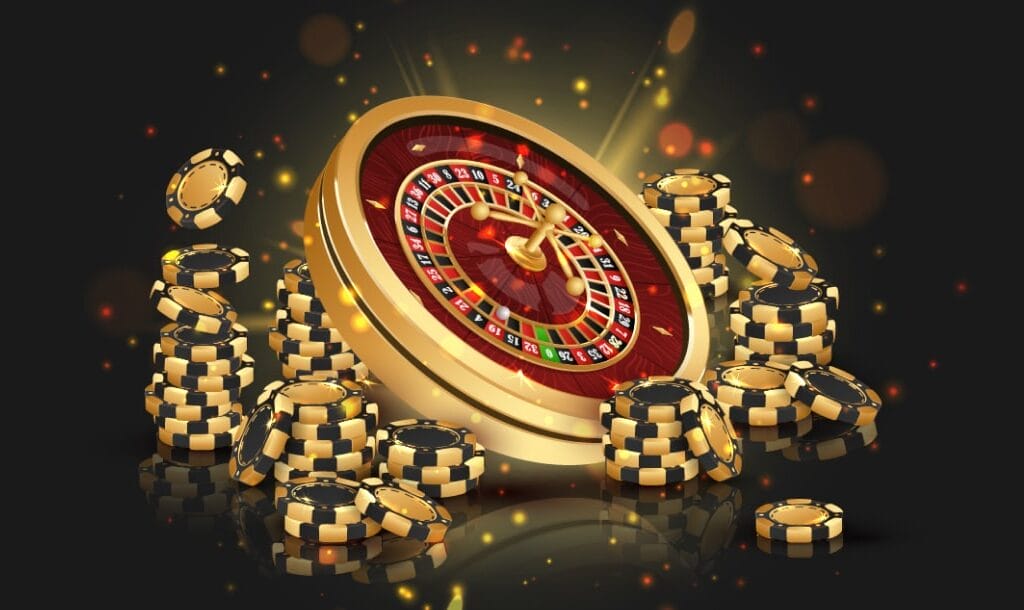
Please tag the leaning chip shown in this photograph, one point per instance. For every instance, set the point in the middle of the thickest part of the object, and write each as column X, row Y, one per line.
column 331, row 533
column 425, row 442
column 187, row 343
column 769, row 253
column 699, row 236
column 703, row 218
column 297, row 300
column 619, row 425
column 687, row 190
column 319, row 500
column 749, row 384
column 440, row 490
column 656, row 399
column 829, row 440
column 183, row 396
column 204, row 310
column 653, row 476
column 297, row 278
column 237, row 380
column 403, row 512
column 202, row 191
column 716, row 287
column 768, row 302
column 472, row 468
column 205, row 266
column 336, row 463
column 712, row 439
column 400, row 560
column 158, row 407
column 833, row 393
column 798, row 520
column 262, row 439
column 702, row 248
column 181, row 366
column 360, row 425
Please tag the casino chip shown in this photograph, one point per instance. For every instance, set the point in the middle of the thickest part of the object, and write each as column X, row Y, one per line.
column 319, row 500
column 472, row 468
column 333, row 463
column 181, row 366
column 703, row 218
column 205, row 266
column 712, row 439
column 402, row 511
column 813, row 344
column 659, row 399
column 300, row 331
column 743, row 326
column 206, row 311
column 636, row 459
column 358, row 426
column 187, row 343
column 169, row 393
column 716, row 287
column 686, row 191
column 439, row 490
column 299, row 558
column 331, row 533
column 742, row 352
column 281, row 344
column 211, row 425
column 359, row 372
column 334, row 362
column 749, row 384
column 829, row 440
column 425, row 442
column 800, row 550
column 400, row 560
column 833, row 393
column 769, row 303
column 205, row 188
column 621, row 426
column 242, row 377
column 262, row 440
column 297, row 278
column 769, row 253
column 322, row 401
column 284, row 473
column 198, row 442
column 798, row 520
column 648, row 446
column 158, row 407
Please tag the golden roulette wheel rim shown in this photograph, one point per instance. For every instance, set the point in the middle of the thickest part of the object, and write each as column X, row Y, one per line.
column 423, row 362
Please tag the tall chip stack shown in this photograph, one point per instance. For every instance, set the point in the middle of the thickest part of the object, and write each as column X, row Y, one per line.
column 200, row 358
column 309, row 426
column 691, row 204
column 305, row 339
column 436, row 458
column 665, row 430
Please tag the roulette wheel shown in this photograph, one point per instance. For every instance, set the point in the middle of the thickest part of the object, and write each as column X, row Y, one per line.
column 494, row 275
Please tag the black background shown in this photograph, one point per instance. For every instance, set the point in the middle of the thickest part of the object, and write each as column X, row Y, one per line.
column 879, row 76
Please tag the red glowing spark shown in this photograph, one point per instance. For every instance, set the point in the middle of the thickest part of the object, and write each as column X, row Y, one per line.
column 646, row 580
column 765, row 481
column 566, row 47
column 757, row 49
column 357, row 56
column 933, row 364
column 501, row 491
column 527, row 55
column 807, row 178
column 744, row 546
column 652, row 290
column 810, row 102
column 960, row 287
column 472, row 48
column 893, row 391
column 106, row 312
column 474, row 142
column 812, row 231
column 265, row 75
column 522, row 149
column 706, row 148
column 427, row 57
column 572, row 485
column 487, row 232
column 106, row 365
column 374, row 90
column 518, row 42
column 151, row 131
column 741, row 582
column 265, row 257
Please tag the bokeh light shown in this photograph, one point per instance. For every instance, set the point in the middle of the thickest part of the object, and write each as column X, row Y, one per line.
column 580, row 85
column 663, row 99
column 675, row 140
column 284, row 178
column 680, row 32
column 324, row 39
column 848, row 185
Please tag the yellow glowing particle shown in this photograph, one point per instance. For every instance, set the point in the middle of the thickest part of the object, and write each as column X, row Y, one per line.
column 267, row 305
column 307, row 240
column 475, row 418
column 351, row 117
column 663, row 98
column 457, row 590
column 436, row 392
column 487, row 538
column 537, row 101
column 220, row 70
column 519, row 517
column 360, row 26
column 580, row 85
column 505, row 468
column 341, row 80
column 613, row 541
column 346, row 296
column 359, row 323
column 258, row 154
column 878, row 307
column 284, row 178
column 405, row 593
column 647, row 82
column 548, row 561
column 133, row 341
column 659, row 72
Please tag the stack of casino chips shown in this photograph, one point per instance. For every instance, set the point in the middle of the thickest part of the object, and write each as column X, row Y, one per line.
column 309, row 426
column 789, row 314
column 665, row 430
column 305, row 339
column 692, row 204
column 439, row 459
column 200, row 359
column 187, row 487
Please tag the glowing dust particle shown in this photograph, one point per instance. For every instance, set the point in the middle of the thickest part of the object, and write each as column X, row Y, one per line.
column 265, row 75
column 646, row 580
column 663, row 98
column 647, row 82
column 374, row 89
column 757, row 49
column 150, row 131
column 258, row 154
column 960, row 287
column 284, row 178
column 133, row 341
column 357, row 56
column 359, row 323
column 548, row 561
column 472, row 48
column 527, row 55
column 538, row 101
column 933, row 364
column 706, row 148
column 106, row 365
column 341, row 80
column 765, row 481
column 580, row 85
column 351, row 117
column 566, row 47
column 741, row 582
column 106, row 312
column 282, row 245
column 584, row 104
column 360, row 26
column 519, row 517
column 487, row 538
column 807, row 178
column 809, row 102
column 220, row 70
column 660, row 72
column 265, row 257
column 893, row 391
column 267, row 305
column 878, row 307
column 505, row 468
column 878, row 251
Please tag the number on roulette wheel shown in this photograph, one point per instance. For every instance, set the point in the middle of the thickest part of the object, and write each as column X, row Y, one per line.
column 494, row 275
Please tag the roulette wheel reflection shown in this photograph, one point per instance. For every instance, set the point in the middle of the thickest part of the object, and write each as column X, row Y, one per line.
column 493, row 275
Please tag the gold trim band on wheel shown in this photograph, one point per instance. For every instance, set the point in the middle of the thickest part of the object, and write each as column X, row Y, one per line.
column 414, row 353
